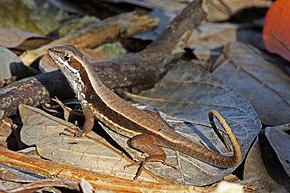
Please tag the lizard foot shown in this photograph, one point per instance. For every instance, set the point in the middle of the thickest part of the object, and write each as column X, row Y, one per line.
column 140, row 165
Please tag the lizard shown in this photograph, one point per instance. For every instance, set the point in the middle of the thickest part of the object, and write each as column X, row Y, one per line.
column 147, row 131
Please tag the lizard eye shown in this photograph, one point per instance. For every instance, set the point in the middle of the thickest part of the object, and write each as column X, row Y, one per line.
column 66, row 57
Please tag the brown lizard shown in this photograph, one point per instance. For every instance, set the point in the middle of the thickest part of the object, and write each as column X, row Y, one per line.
column 147, row 131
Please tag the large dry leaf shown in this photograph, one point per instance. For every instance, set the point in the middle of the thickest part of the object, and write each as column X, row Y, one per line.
column 188, row 93
column 255, row 168
column 280, row 142
column 93, row 152
column 264, row 84
column 20, row 39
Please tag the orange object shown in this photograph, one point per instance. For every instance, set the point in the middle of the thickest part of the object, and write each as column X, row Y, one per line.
column 276, row 32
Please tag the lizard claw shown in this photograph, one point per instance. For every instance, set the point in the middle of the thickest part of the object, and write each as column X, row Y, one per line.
column 137, row 163
column 65, row 132
column 141, row 165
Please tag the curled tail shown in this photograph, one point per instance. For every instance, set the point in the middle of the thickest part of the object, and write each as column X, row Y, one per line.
column 221, row 160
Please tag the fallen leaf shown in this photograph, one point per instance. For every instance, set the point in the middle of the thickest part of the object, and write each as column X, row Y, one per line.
column 275, row 32
column 6, row 126
column 21, row 40
column 280, row 142
column 187, row 93
column 264, row 84
column 213, row 35
column 92, row 152
column 254, row 167
column 11, row 65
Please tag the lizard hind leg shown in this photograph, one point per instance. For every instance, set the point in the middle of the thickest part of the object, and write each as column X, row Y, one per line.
column 147, row 143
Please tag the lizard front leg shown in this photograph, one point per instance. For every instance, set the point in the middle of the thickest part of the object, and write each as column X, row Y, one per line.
column 89, row 121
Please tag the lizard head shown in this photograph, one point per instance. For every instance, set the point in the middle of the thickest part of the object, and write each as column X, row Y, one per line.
column 72, row 64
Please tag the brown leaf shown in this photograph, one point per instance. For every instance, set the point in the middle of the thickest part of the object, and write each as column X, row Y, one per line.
column 187, row 93
column 264, row 84
column 280, row 142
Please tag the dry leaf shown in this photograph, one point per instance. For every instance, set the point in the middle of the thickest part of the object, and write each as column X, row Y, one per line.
column 188, row 93
column 10, row 65
column 93, row 152
column 264, row 84
column 210, row 36
column 21, row 40
column 254, row 167
column 213, row 35
column 280, row 142
column 6, row 126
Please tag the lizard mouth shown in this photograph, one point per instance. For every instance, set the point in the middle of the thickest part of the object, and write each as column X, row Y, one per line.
column 55, row 56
